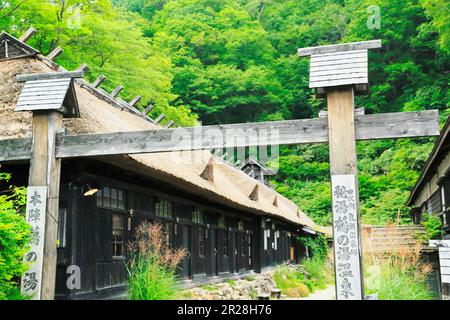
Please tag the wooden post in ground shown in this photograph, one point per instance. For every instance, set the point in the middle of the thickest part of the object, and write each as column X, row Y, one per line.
column 45, row 170
column 344, row 188
column 337, row 72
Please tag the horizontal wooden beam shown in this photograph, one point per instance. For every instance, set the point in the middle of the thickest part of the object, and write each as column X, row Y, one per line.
column 372, row 44
column 305, row 131
column 15, row 149
column 49, row 76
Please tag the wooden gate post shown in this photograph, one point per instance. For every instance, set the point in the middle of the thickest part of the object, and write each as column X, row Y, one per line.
column 345, row 198
column 337, row 72
column 45, row 170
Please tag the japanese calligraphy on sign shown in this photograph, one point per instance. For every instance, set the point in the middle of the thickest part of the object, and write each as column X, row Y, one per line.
column 35, row 216
column 346, row 235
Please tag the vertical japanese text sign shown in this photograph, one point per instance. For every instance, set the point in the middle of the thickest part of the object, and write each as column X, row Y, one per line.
column 346, row 235
column 35, row 215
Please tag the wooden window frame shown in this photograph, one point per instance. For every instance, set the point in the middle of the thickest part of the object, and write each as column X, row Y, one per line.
column 62, row 228
column 201, row 242
column 198, row 217
column 123, row 231
column 119, row 201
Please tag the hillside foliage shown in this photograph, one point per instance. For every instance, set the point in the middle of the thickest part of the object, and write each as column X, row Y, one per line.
column 227, row 61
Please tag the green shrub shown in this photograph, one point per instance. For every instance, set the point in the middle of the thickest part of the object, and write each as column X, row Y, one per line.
column 299, row 291
column 250, row 278
column 432, row 225
column 397, row 284
column 317, row 246
column 314, row 274
column 152, row 268
column 209, row 287
column 399, row 275
column 231, row 282
column 318, row 276
column 14, row 239
column 285, row 278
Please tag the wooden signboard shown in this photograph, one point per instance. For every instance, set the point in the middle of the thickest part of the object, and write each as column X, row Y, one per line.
column 35, row 216
column 346, row 235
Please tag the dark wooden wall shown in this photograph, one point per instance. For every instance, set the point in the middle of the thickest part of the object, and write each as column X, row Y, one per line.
column 231, row 248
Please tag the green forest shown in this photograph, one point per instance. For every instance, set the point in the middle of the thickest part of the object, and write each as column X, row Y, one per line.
column 228, row 61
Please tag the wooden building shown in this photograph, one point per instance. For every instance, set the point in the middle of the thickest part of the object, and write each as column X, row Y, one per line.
column 431, row 194
column 229, row 223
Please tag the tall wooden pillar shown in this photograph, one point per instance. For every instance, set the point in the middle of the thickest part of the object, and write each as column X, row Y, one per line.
column 45, row 170
column 337, row 71
column 345, row 198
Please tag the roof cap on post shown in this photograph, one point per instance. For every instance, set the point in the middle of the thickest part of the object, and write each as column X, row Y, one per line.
column 339, row 65
column 49, row 91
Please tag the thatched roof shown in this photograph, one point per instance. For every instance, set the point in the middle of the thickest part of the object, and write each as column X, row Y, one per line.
column 230, row 186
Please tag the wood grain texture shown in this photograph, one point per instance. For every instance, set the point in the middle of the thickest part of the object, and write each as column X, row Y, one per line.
column 43, row 94
column 98, row 81
column 372, row 44
column 49, row 76
column 341, row 131
column 55, row 122
column 45, row 170
column 337, row 69
column 344, row 174
column 55, row 53
column 15, row 149
column 368, row 127
column 116, row 91
column 28, row 34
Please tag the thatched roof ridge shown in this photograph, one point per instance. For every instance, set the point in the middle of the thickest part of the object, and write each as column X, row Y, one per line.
column 230, row 186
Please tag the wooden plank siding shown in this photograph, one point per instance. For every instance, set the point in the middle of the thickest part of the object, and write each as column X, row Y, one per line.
column 43, row 94
column 337, row 69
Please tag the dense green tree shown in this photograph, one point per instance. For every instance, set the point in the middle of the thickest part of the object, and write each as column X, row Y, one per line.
column 235, row 61
column 108, row 39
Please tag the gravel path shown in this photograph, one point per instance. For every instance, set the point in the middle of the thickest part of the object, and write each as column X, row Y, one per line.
column 325, row 294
